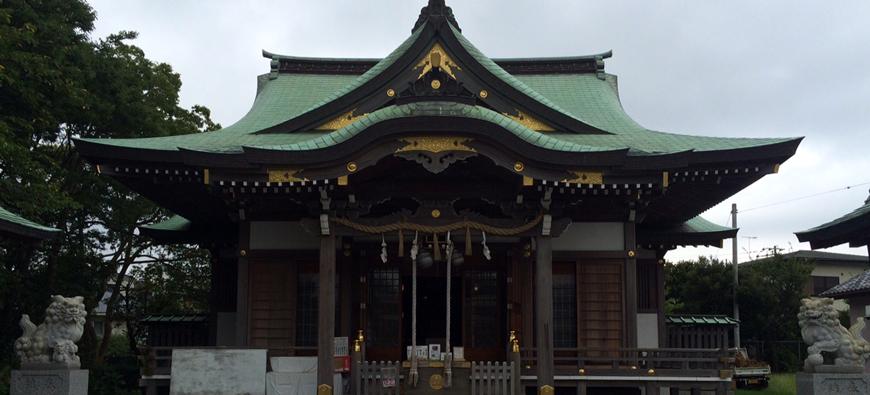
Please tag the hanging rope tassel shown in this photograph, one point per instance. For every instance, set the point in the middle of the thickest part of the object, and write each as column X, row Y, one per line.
column 486, row 252
column 383, row 248
column 467, row 241
column 401, row 244
column 414, row 374
column 436, row 249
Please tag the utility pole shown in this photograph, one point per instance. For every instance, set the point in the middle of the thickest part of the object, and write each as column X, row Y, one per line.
column 736, row 279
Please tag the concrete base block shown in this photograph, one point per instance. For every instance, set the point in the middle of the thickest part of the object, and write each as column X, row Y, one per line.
column 49, row 382
column 218, row 371
column 833, row 383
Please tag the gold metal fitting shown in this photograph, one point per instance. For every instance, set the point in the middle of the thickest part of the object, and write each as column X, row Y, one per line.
column 519, row 166
column 546, row 390
column 243, row 253
column 633, row 367
column 352, row 167
column 357, row 346
column 581, row 371
column 651, row 372
column 324, row 389
column 359, row 336
column 483, row 94
column 436, row 84
column 632, row 254
column 391, row 92
column 436, row 213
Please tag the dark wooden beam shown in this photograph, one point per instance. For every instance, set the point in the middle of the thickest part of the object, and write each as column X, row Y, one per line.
column 630, row 286
column 544, row 310
column 242, row 306
column 326, row 312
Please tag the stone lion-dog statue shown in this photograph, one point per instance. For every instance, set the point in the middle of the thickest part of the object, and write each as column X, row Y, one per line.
column 53, row 344
column 821, row 329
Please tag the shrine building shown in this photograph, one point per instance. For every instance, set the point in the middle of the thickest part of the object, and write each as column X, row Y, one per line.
column 505, row 210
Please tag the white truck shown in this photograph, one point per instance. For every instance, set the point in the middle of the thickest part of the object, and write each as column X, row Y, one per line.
column 749, row 373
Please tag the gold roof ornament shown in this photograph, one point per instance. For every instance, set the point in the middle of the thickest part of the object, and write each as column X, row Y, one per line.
column 341, row 121
column 586, row 177
column 435, row 144
column 530, row 122
column 285, row 175
column 437, row 58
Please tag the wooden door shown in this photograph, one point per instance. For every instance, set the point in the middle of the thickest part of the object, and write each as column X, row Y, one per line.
column 600, row 306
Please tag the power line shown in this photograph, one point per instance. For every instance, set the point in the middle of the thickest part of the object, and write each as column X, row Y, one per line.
column 846, row 188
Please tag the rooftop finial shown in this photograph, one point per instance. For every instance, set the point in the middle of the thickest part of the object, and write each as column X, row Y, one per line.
column 436, row 9
column 867, row 201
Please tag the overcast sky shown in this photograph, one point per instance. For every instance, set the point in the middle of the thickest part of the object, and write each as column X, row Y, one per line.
column 721, row 68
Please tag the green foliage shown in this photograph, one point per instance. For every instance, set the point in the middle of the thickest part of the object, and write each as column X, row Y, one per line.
column 701, row 287
column 57, row 84
column 769, row 296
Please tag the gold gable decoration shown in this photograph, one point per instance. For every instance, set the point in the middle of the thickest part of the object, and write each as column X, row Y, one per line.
column 285, row 175
column 586, row 177
column 341, row 121
column 437, row 58
column 435, row 144
column 530, row 122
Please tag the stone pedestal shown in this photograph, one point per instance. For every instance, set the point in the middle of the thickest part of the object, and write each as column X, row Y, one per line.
column 49, row 382
column 218, row 371
column 832, row 383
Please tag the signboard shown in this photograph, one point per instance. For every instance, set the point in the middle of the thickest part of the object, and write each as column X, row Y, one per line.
column 435, row 352
column 389, row 377
column 341, row 347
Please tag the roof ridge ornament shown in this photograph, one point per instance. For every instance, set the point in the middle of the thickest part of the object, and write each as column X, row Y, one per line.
column 867, row 201
column 436, row 9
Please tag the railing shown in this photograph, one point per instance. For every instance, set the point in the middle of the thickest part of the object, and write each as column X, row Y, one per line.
column 492, row 378
column 378, row 378
column 631, row 361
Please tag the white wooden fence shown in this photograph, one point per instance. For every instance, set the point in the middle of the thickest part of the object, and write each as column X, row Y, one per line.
column 488, row 378
column 379, row 378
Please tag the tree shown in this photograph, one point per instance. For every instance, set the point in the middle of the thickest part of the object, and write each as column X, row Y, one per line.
column 56, row 84
column 702, row 286
column 769, row 296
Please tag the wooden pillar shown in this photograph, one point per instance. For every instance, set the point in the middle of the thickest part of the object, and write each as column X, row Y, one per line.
column 630, row 286
column 544, row 310
column 660, row 294
column 242, row 307
column 326, row 313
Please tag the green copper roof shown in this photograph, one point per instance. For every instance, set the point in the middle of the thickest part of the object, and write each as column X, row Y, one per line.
column 590, row 98
column 853, row 228
column 176, row 223
column 435, row 109
column 700, row 319
column 499, row 72
column 701, row 225
column 14, row 225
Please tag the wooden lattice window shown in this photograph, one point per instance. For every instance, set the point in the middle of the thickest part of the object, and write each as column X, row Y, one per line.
column 565, row 310
column 481, row 297
column 307, row 290
column 384, row 308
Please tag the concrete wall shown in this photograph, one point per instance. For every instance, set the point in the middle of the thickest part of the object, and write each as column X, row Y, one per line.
column 269, row 235
column 647, row 330
column 591, row 236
